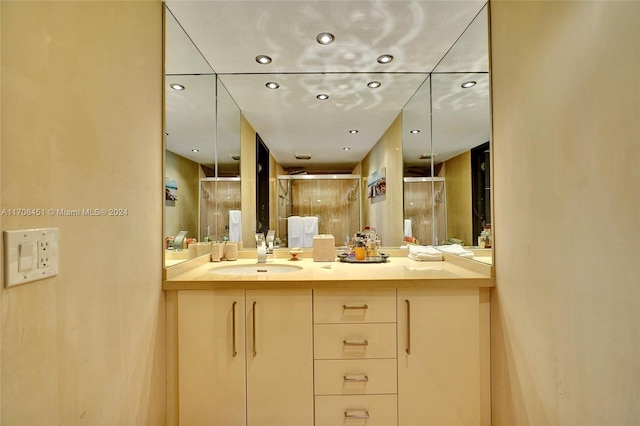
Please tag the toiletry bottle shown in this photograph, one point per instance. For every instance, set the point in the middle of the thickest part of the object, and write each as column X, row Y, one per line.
column 360, row 250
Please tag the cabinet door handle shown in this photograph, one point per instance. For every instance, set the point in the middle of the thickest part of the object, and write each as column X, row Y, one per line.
column 346, row 307
column 351, row 343
column 361, row 378
column 408, row 327
column 233, row 331
column 253, row 328
column 356, row 415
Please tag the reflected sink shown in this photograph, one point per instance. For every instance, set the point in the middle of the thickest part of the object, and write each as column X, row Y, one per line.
column 255, row 269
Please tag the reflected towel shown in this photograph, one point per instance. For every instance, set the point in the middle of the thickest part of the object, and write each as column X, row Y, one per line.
column 310, row 229
column 407, row 228
column 295, row 226
column 235, row 225
column 422, row 253
column 456, row 249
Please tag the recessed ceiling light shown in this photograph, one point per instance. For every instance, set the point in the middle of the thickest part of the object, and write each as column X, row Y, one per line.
column 346, row 148
column 235, row 157
column 374, row 84
column 176, row 86
column 325, row 38
column 303, row 156
column 468, row 84
column 195, row 150
column 272, row 85
column 415, row 131
column 353, row 132
column 322, row 97
column 263, row 59
column 385, row 59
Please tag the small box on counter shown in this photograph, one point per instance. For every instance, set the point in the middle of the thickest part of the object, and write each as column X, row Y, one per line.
column 324, row 248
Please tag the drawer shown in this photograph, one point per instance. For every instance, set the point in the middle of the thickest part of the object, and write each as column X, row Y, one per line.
column 357, row 410
column 344, row 341
column 354, row 306
column 359, row 376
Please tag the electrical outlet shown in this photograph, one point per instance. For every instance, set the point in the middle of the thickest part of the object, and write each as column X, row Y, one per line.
column 29, row 255
column 43, row 253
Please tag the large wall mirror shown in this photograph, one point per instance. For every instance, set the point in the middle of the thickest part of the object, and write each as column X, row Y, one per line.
column 410, row 121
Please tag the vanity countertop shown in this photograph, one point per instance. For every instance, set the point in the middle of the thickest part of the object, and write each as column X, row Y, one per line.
column 399, row 271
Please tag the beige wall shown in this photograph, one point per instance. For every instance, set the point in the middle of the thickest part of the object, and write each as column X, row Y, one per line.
column 566, row 117
column 385, row 212
column 82, row 128
column 182, row 214
column 457, row 172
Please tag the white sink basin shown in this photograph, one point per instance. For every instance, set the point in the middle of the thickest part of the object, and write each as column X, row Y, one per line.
column 255, row 269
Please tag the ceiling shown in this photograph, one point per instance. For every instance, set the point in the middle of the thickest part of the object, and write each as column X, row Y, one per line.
column 224, row 38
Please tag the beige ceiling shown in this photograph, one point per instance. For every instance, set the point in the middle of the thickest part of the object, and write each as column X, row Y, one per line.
column 228, row 35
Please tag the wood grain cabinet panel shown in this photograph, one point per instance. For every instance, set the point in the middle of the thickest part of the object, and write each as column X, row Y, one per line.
column 211, row 385
column 354, row 306
column 439, row 357
column 356, row 410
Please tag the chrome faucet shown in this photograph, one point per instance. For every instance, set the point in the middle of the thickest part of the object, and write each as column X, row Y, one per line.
column 261, row 248
column 271, row 236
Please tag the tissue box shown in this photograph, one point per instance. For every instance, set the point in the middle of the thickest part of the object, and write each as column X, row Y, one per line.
column 324, row 248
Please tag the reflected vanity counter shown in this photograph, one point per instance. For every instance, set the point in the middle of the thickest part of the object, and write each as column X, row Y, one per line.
column 399, row 271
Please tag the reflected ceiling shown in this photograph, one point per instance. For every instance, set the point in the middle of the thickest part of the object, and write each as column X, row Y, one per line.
column 230, row 34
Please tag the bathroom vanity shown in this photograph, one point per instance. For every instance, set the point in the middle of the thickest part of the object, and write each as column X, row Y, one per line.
column 400, row 343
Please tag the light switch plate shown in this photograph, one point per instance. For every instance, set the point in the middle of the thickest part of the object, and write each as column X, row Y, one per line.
column 30, row 255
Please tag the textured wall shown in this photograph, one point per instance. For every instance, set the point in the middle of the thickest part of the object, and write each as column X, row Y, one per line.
column 82, row 128
column 566, row 117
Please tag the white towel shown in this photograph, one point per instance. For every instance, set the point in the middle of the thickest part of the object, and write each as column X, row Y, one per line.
column 295, row 226
column 235, row 225
column 309, row 230
column 422, row 253
column 456, row 249
column 407, row 228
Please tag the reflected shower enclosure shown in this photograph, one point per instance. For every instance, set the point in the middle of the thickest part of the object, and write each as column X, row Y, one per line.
column 425, row 214
column 219, row 196
column 333, row 199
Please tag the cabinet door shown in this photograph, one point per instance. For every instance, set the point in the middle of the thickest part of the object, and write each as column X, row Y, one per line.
column 279, row 358
column 211, row 357
column 438, row 357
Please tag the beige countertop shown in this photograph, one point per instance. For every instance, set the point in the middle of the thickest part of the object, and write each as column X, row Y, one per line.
column 199, row 274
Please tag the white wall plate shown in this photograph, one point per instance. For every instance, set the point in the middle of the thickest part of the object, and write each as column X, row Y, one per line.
column 30, row 255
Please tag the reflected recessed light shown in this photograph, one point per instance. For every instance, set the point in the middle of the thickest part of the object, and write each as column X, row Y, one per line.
column 354, row 131
column 235, row 157
column 272, row 85
column 374, row 84
column 322, row 97
column 176, row 86
column 195, row 150
column 325, row 38
column 415, row 131
column 385, row 59
column 468, row 84
column 346, row 148
column 263, row 59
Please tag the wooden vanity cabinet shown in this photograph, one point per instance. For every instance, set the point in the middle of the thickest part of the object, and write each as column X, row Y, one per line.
column 279, row 358
column 245, row 358
column 211, row 360
column 440, row 357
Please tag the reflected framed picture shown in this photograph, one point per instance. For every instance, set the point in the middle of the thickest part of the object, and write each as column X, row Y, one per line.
column 170, row 189
column 377, row 183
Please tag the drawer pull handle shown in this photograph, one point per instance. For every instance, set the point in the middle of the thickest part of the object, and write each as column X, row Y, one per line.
column 234, row 352
column 346, row 307
column 253, row 328
column 356, row 415
column 360, row 378
column 408, row 350
column 349, row 343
